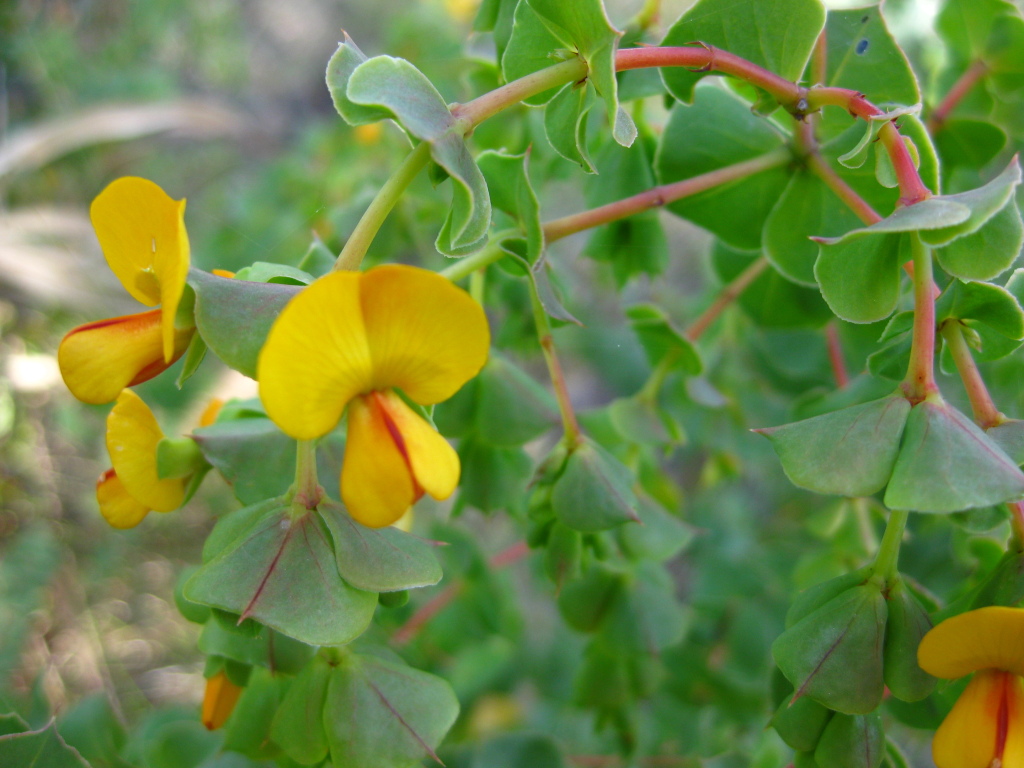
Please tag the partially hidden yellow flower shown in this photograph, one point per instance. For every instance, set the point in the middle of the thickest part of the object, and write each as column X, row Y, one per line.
column 132, row 487
column 352, row 339
column 142, row 233
column 985, row 728
column 219, row 700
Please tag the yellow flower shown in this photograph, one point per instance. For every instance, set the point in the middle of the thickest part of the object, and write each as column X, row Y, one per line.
column 351, row 339
column 986, row 725
column 127, row 492
column 142, row 233
column 219, row 700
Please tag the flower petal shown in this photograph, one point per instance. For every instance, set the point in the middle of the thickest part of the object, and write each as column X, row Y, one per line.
column 316, row 357
column 426, row 335
column 1013, row 751
column 434, row 463
column 118, row 507
column 967, row 737
column 376, row 482
column 219, row 700
column 98, row 360
column 142, row 233
column 132, row 438
column 986, row 638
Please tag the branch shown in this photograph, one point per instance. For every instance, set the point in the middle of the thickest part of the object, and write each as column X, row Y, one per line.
column 728, row 295
column 960, row 88
column 986, row 415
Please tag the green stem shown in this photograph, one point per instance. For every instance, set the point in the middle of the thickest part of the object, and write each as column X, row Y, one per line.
column 887, row 559
column 920, row 379
column 486, row 256
column 547, row 344
column 308, row 491
column 366, row 229
column 1016, row 525
column 649, row 392
column 986, row 414
column 479, row 109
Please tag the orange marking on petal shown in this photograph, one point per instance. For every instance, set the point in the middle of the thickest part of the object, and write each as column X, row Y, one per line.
column 219, row 700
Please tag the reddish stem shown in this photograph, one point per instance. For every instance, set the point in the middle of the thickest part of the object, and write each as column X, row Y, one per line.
column 986, row 415
column 960, row 88
column 706, row 58
column 820, row 167
column 659, row 196
column 920, row 380
column 819, row 59
column 442, row 599
column 728, row 295
column 912, row 188
column 835, row 355
column 1017, row 523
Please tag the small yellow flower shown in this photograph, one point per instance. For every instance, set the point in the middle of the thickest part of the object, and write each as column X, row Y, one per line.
column 351, row 339
column 985, row 728
column 219, row 700
column 142, row 233
column 132, row 488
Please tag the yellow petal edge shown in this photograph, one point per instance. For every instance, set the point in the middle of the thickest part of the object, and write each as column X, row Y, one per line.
column 986, row 638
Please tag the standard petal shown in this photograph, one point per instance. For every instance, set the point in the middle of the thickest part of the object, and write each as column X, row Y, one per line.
column 132, row 438
column 426, row 335
column 118, row 507
column 316, row 357
column 98, row 360
column 986, row 638
column 142, row 233
column 967, row 737
column 434, row 463
column 376, row 482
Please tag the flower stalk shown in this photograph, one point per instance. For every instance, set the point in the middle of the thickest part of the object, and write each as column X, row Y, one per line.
column 986, row 415
column 920, row 379
column 886, row 565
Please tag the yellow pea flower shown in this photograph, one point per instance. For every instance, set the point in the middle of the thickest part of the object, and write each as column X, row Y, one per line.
column 132, row 488
column 142, row 233
column 351, row 339
column 219, row 700
column 985, row 728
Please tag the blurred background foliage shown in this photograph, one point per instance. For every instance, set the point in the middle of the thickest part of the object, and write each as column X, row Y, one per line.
column 223, row 102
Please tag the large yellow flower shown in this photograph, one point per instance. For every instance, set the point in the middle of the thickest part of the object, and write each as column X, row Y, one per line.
column 142, row 233
column 352, row 338
column 986, row 725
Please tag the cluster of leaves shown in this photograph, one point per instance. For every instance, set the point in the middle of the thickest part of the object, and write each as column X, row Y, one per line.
column 287, row 597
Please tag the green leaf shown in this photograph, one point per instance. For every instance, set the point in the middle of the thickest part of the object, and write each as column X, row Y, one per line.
column 983, row 303
column 860, row 278
column 661, row 340
column 234, row 316
column 583, row 26
column 594, row 491
column 968, row 144
column 397, row 86
column 991, row 31
column 91, row 728
column 908, row 623
column 519, row 750
column 531, row 47
column 641, row 421
column 720, row 130
column 1010, row 437
column 194, row 356
column 508, row 181
column 565, row 124
column 585, row 603
column 270, row 272
column 252, row 454
column 298, row 726
column 247, row 729
column 12, row 723
column 988, row 251
column 807, row 207
column 181, row 744
column 771, row 300
column 862, row 55
column 379, row 559
column 637, row 243
column 983, row 203
column 379, row 712
column 30, row 560
column 645, row 616
column 493, row 477
column 660, row 535
column 265, row 648
column 43, row 748
column 282, row 572
column 504, row 388
column 563, row 552
column 850, row 452
column 834, row 654
column 851, row 741
column 947, row 464
column 339, row 69
column 857, row 156
column 800, row 722
column 777, row 36
column 814, row 597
